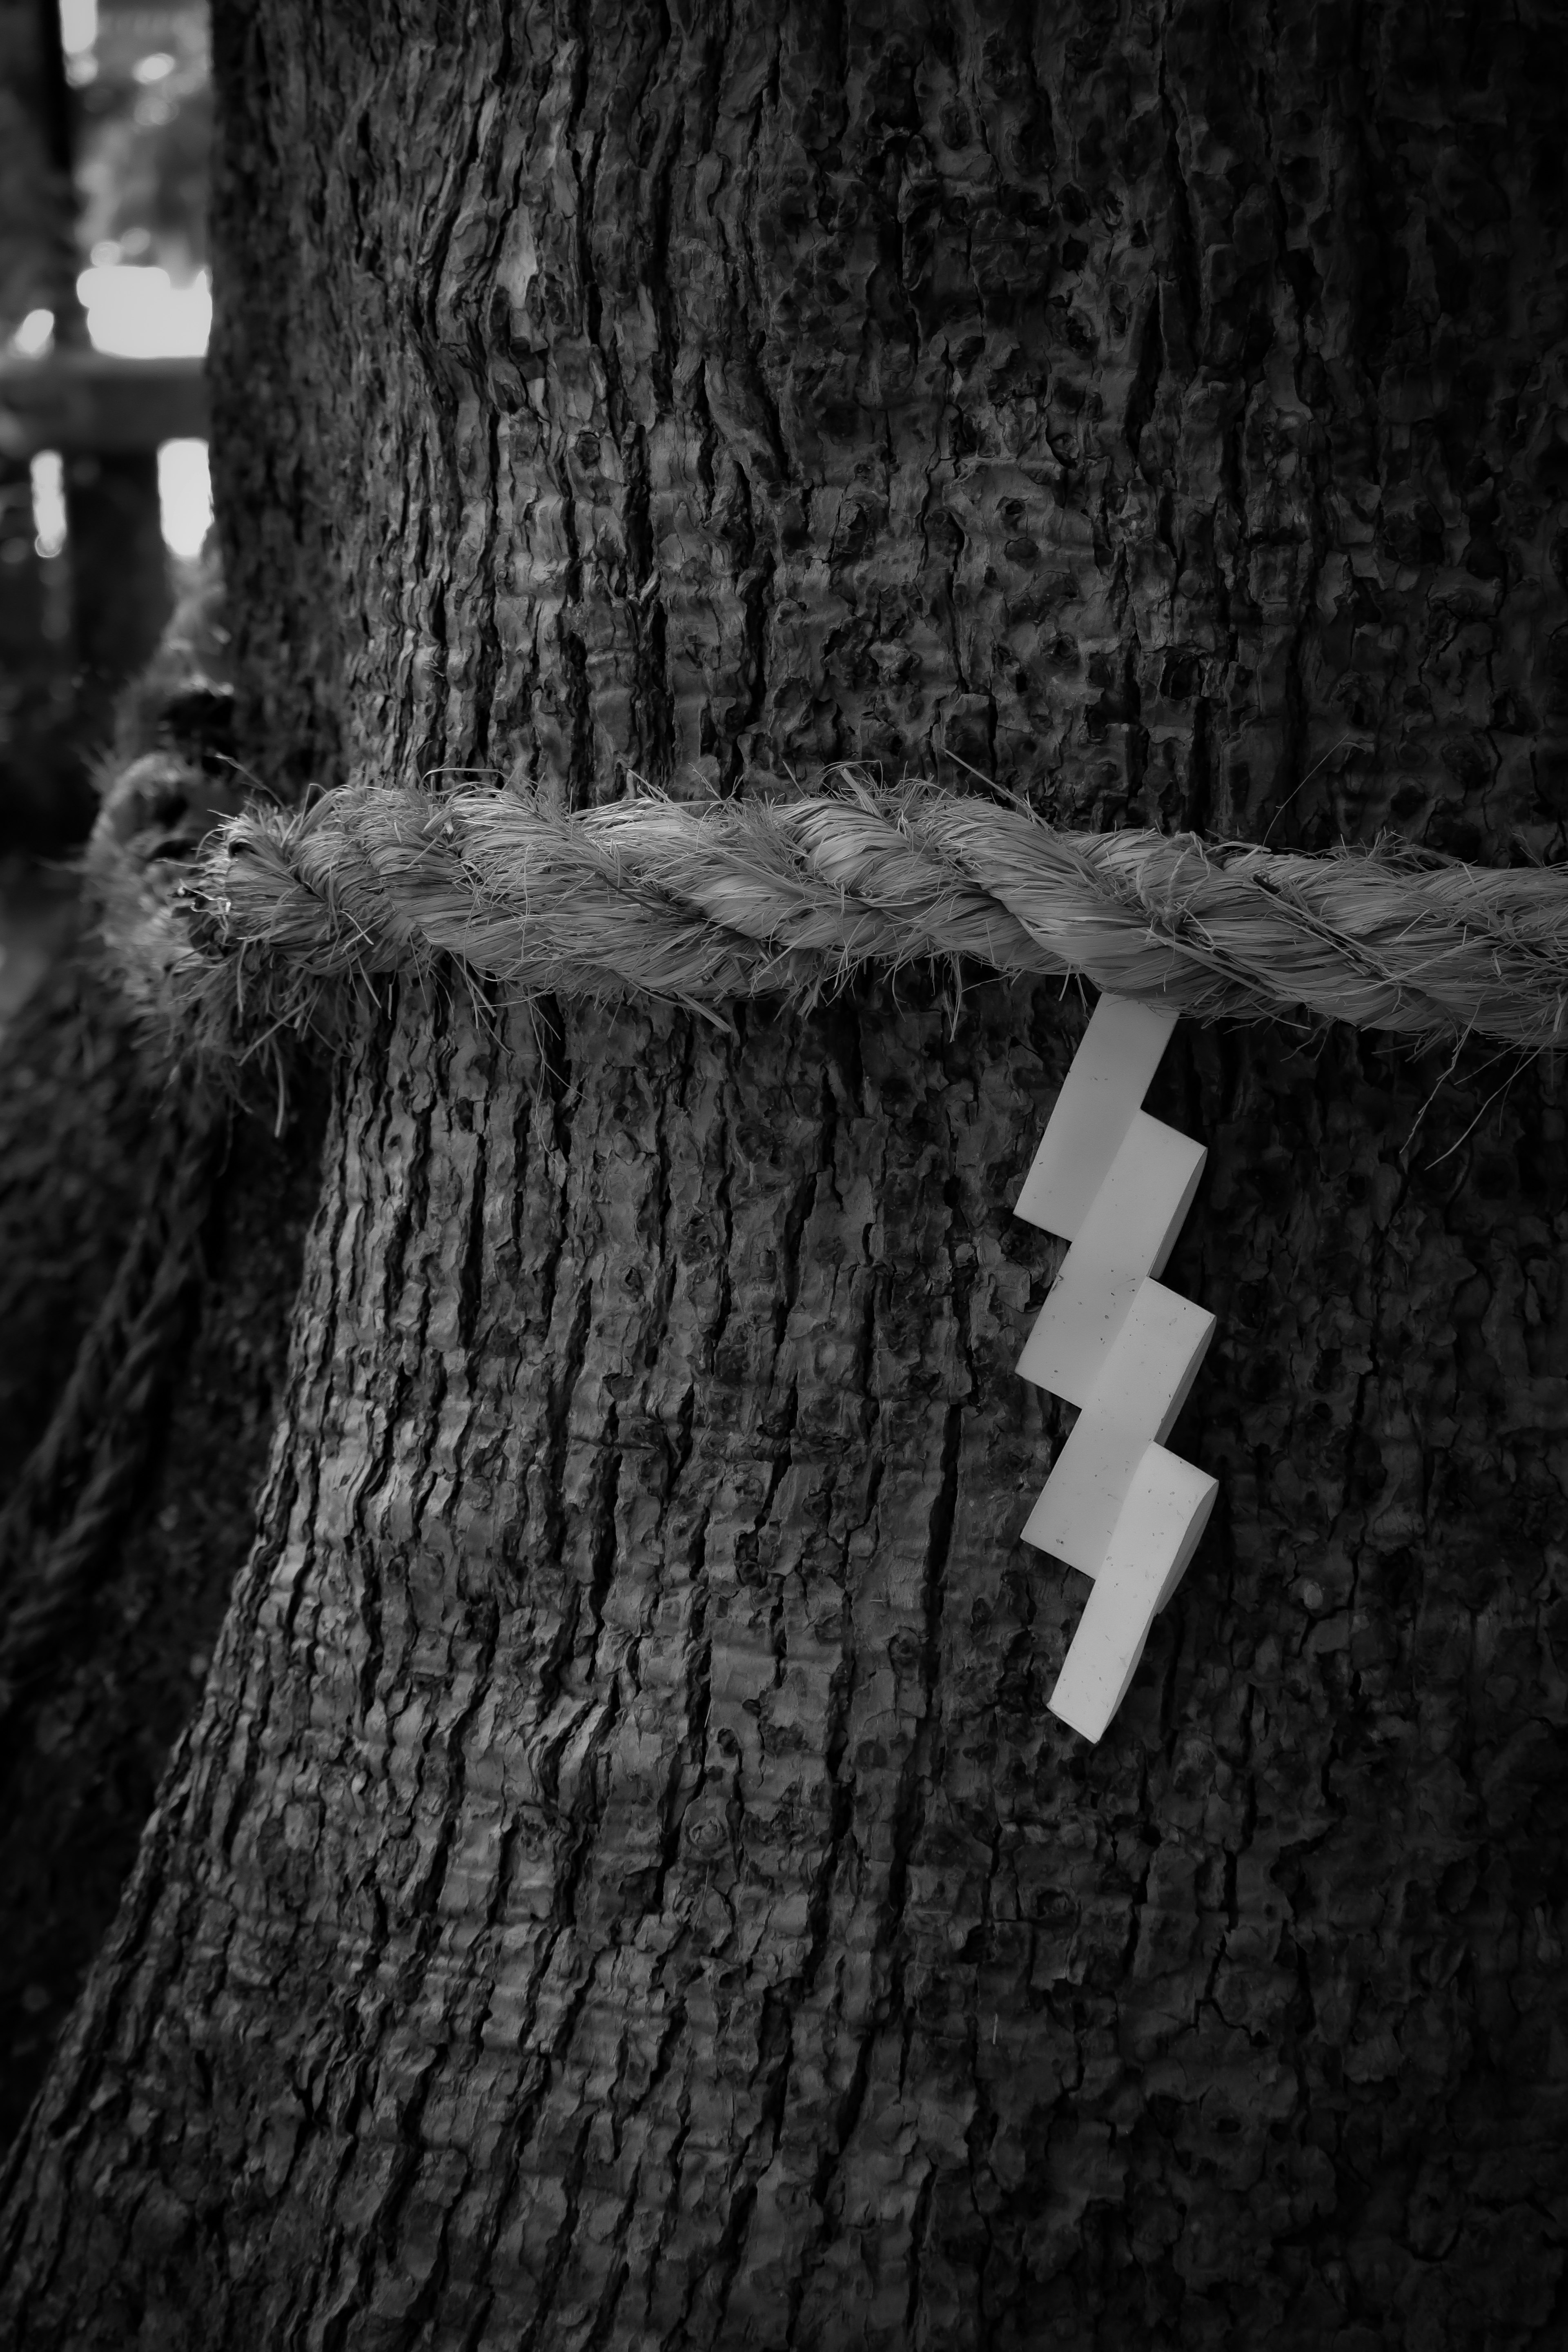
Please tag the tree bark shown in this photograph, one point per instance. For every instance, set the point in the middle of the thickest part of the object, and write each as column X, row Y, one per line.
column 624, row 1886
column 83, row 1749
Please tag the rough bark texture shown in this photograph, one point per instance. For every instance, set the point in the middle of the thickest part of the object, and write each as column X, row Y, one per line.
column 80, row 1762
column 1164, row 412
column 624, row 1888
column 75, row 1117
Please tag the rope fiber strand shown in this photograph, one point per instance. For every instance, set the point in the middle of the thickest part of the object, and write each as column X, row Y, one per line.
column 701, row 903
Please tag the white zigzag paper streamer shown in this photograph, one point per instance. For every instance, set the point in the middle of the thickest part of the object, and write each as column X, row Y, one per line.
column 1112, row 1339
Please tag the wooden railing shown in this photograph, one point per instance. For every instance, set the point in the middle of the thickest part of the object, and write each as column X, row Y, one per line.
column 72, row 632
column 88, row 404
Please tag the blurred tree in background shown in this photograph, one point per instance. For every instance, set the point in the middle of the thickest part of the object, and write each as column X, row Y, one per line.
column 107, row 255
column 145, row 129
column 37, row 275
column 104, row 129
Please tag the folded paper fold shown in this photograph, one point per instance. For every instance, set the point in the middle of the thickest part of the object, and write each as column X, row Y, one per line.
column 1164, row 1513
column 1142, row 1387
column 1114, row 1340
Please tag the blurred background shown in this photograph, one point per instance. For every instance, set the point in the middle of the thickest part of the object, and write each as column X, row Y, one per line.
column 105, row 302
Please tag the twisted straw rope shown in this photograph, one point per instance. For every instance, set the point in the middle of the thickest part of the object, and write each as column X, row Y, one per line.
column 700, row 903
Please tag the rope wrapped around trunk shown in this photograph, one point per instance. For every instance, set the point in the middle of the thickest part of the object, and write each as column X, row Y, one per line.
column 701, row 903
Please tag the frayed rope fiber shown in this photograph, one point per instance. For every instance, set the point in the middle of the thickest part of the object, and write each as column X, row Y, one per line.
column 701, row 903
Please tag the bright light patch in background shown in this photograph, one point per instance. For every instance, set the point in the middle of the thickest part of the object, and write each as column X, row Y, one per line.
column 139, row 313
column 184, row 499
column 185, row 493
column 134, row 309
column 78, row 38
column 35, row 335
column 48, row 503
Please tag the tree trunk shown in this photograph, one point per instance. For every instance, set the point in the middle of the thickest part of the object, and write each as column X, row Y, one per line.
column 83, row 1749
column 624, row 1888
column 44, row 802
